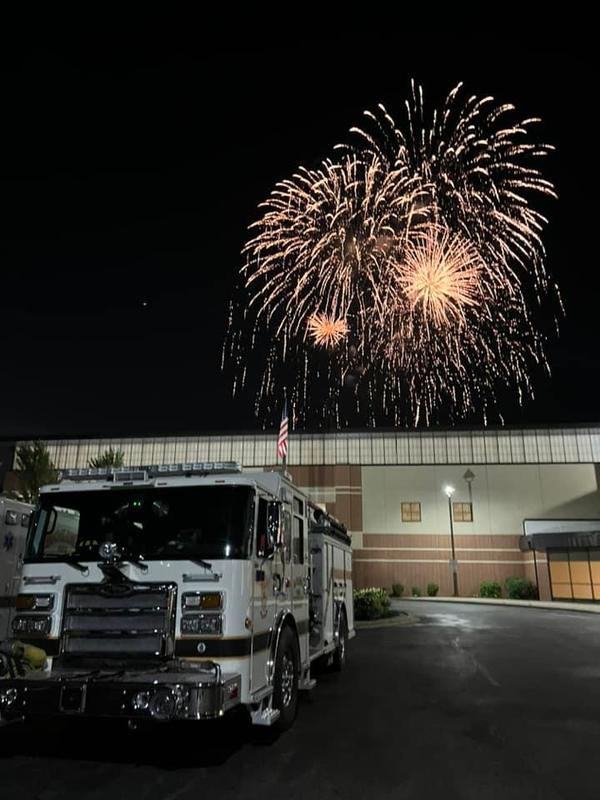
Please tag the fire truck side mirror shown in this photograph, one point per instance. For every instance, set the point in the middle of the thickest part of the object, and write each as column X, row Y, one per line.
column 265, row 550
column 53, row 516
column 268, row 539
column 274, row 525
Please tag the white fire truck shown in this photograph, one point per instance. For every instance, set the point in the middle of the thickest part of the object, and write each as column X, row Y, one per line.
column 177, row 592
column 14, row 522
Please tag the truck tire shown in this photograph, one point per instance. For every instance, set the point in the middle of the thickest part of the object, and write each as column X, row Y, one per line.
column 339, row 656
column 285, row 683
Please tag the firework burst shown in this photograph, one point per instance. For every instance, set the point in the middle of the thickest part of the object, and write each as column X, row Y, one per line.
column 441, row 273
column 326, row 239
column 478, row 170
column 327, row 331
column 407, row 263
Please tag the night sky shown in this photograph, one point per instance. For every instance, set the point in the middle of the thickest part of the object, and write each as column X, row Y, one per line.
column 129, row 177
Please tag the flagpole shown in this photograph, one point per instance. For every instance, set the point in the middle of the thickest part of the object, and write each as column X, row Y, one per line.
column 287, row 414
column 282, row 439
column 284, row 459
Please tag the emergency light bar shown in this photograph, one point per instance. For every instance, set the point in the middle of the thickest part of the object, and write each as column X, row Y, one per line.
column 143, row 473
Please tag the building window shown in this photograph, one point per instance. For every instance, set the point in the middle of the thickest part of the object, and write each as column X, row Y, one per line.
column 411, row 512
column 462, row 512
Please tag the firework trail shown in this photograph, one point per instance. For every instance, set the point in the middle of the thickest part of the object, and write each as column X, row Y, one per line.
column 404, row 269
column 324, row 242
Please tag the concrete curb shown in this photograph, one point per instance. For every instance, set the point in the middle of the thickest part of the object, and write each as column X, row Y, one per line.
column 542, row 604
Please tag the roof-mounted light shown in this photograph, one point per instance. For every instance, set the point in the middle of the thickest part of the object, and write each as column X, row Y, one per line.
column 197, row 468
column 122, row 474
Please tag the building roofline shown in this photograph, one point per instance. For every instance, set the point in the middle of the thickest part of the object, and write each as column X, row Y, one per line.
column 458, row 429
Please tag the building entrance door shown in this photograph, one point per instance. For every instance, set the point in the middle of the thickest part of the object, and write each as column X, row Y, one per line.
column 574, row 574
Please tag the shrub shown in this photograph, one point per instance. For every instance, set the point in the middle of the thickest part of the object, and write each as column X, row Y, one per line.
column 415, row 591
column 521, row 589
column 371, row 603
column 109, row 458
column 34, row 469
column 432, row 589
column 397, row 589
column 490, row 589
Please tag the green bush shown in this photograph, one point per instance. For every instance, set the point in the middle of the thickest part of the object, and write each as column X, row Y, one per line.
column 371, row 603
column 397, row 589
column 521, row 589
column 490, row 589
column 432, row 589
column 415, row 591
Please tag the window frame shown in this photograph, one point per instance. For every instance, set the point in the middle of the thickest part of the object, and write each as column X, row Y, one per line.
column 460, row 516
column 408, row 511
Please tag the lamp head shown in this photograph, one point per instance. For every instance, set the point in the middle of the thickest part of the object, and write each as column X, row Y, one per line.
column 449, row 490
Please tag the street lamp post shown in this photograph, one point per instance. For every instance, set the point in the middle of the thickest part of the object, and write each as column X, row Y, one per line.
column 449, row 490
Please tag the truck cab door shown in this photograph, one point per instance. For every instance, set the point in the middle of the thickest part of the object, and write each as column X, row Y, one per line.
column 267, row 582
column 294, row 594
column 300, row 573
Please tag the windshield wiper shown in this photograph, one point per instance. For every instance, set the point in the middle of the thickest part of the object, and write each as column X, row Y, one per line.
column 113, row 574
column 202, row 563
column 76, row 565
column 136, row 560
column 215, row 575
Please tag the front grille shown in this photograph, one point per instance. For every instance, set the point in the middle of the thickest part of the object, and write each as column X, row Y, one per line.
column 119, row 621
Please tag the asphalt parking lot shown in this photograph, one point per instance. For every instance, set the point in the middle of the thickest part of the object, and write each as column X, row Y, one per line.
column 470, row 702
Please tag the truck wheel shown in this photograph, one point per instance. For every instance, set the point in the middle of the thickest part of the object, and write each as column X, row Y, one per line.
column 285, row 684
column 339, row 656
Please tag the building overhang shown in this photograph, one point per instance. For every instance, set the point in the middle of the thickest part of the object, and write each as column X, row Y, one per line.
column 559, row 541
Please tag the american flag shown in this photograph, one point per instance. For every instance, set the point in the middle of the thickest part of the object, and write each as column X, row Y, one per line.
column 282, row 441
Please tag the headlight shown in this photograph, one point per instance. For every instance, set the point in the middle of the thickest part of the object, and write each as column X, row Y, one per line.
column 8, row 697
column 32, row 626
column 140, row 701
column 202, row 623
column 163, row 704
column 34, row 602
column 203, row 601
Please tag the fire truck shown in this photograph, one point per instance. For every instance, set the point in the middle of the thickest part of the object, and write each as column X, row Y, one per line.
column 14, row 522
column 176, row 592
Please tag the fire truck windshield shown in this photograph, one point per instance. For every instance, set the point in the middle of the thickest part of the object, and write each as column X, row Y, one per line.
column 148, row 523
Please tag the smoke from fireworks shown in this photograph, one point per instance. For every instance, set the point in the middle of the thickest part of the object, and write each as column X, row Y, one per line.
column 404, row 268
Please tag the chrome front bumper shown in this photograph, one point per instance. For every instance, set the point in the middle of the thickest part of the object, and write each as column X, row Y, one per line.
column 202, row 693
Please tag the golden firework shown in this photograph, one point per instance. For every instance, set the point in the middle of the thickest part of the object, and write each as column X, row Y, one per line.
column 427, row 235
column 327, row 331
column 442, row 275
